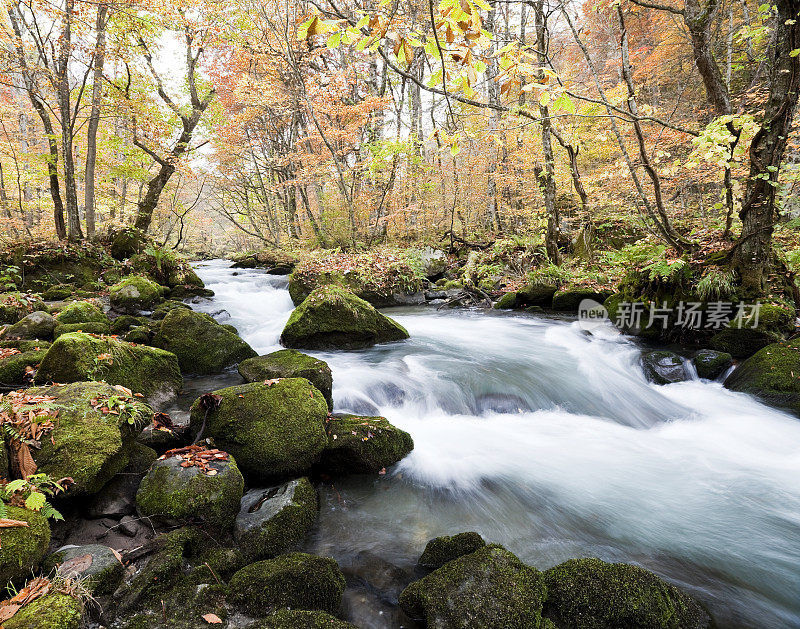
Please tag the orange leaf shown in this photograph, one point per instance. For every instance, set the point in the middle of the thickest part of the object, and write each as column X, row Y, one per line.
column 212, row 619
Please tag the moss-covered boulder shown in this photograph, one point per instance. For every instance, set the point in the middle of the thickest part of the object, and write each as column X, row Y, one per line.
column 23, row 548
column 201, row 344
column 488, row 589
column 15, row 306
column 17, row 369
column 289, row 363
column 272, row 521
column 90, row 327
column 26, row 346
column 53, row 611
column 663, row 367
column 743, row 338
column 363, row 445
column 140, row 335
column 81, row 312
column 300, row 619
column 98, row 567
column 166, row 307
column 127, row 242
column 86, row 444
column 123, row 323
column 332, row 317
column 507, row 302
column 184, row 495
column 772, row 374
column 593, row 594
column 78, row 357
column 441, row 550
column 273, row 430
column 135, row 293
column 295, row 580
column 569, row 300
column 37, row 325
column 710, row 364
column 536, row 295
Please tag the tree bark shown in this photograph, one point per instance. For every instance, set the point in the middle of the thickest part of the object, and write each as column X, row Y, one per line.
column 94, row 120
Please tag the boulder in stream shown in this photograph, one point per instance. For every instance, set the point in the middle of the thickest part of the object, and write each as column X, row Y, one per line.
column 663, row 367
column 90, row 327
column 274, row 429
column 81, row 312
column 332, row 317
column 772, row 374
column 711, row 364
column 593, row 593
column 289, row 363
column 442, row 549
column 52, row 611
column 362, row 445
column 202, row 345
column 775, row 319
column 37, row 325
column 23, row 548
column 135, row 293
column 569, row 300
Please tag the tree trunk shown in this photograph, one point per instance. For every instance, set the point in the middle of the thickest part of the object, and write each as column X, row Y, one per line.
column 698, row 16
column 94, row 120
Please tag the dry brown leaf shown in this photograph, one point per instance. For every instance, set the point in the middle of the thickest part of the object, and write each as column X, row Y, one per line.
column 5, row 523
column 212, row 619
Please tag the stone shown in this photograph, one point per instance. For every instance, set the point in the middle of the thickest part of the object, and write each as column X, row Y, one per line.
column 135, row 294
column 772, row 374
column 663, row 367
column 15, row 306
column 98, row 567
column 52, row 611
column 362, row 445
column 710, row 364
column 441, row 550
column 289, row 363
column 507, row 302
column 81, row 312
column 89, row 327
column 23, row 548
column 37, row 325
column 570, row 300
column 17, row 370
column 300, row 619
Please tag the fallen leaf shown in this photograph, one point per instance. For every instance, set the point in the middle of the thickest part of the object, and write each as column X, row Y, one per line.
column 212, row 619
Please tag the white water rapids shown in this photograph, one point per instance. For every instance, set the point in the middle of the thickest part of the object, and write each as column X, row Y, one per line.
column 551, row 442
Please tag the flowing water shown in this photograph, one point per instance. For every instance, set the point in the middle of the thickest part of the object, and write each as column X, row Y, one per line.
column 550, row 442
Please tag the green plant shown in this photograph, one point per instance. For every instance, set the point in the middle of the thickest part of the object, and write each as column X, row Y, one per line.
column 125, row 405
column 716, row 284
column 32, row 493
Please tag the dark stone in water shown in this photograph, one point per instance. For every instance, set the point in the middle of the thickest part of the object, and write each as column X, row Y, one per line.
column 380, row 576
column 663, row 367
column 387, row 393
column 501, row 403
column 711, row 364
column 358, row 406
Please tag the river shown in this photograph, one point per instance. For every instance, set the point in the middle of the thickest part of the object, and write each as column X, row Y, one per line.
column 551, row 442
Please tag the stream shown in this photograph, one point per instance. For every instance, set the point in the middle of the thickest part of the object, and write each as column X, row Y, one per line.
column 551, row 442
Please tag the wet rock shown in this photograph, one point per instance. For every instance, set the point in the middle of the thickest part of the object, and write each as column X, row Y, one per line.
column 289, row 363
column 386, row 393
column 433, row 262
column 139, row 335
column 441, row 550
column 663, row 367
column 23, row 548
column 409, row 299
column 81, row 312
column 135, row 294
column 164, row 308
column 501, row 403
column 334, row 318
column 362, row 445
column 772, row 374
column 300, row 619
column 273, row 520
column 98, row 567
column 593, row 593
column 381, row 577
column 483, row 590
column 359, row 406
column 123, row 323
column 273, row 430
column 506, row 302
column 177, row 494
column 295, row 580
column 118, row 497
column 744, row 342
column 201, row 344
column 710, row 364
column 367, row 610
column 78, row 357
column 536, row 295
column 569, row 300
column 52, row 611
column 37, row 325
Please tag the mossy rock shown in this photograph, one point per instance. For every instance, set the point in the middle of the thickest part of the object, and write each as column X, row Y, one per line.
column 272, row 521
column 488, row 589
column 536, row 295
column 81, row 312
column 289, row 363
column 570, row 300
column 127, row 242
column 363, row 445
column 97, row 567
column 58, row 292
column 135, row 293
column 23, row 548
column 332, row 317
column 166, row 307
column 37, row 325
column 663, row 367
column 26, row 346
column 273, row 430
column 147, row 370
column 710, row 364
column 184, row 495
column 86, row 444
column 53, row 611
column 140, row 335
column 123, row 323
column 14, row 306
column 441, row 550
column 743, row 342
column 507, row 302
column 201, row 344
column 772, row 374
column 14, row 369
column 295, row 580
column 90, row 327
column 593, row 594
column 300, row 619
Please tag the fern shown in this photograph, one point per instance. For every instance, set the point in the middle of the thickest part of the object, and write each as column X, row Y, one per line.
column 716, row 285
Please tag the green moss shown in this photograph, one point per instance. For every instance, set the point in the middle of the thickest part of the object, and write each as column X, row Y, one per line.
column 363, row 445
column 507, row 302
column 273, row 521
column 201, row 344
column 54, row 611
column 300, row 619
column 189, row 495
column 14, row 306
column 166, row 307
column 710, row 364
column 58, row 292
column 487, row 589
column 742, row 342
column 25, row 345
column 772, row 374
column 139, row 335
column 37, row 325
column 135, row 293
column 14, row 368
column 289, row 363
column 127, row 242
column 440, row 550
column 592, row 594
column 75, row 357
column 569, row 300
column 331, row 317
column 272, row 430
column 87, row 445
column 295, row 580
column 93, row 327
column 123, row 323
column 81, row 312
column 23, row 548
